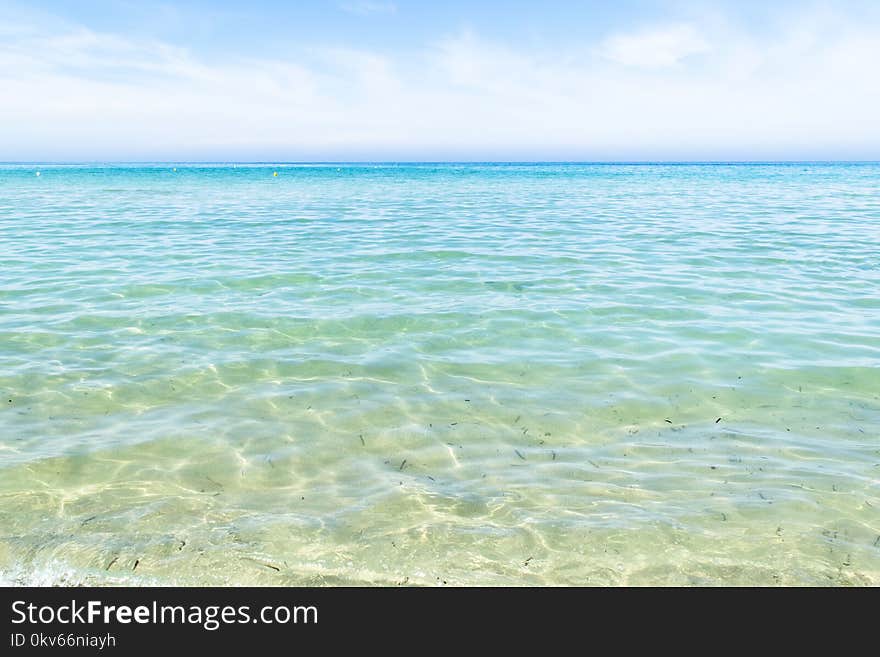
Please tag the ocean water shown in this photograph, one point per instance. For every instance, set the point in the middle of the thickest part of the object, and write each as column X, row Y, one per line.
column 440, row 374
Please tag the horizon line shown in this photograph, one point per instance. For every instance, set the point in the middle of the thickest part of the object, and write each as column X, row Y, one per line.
column 413, row 162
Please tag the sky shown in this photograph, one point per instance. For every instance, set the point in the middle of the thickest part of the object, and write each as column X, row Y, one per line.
column 380, row 80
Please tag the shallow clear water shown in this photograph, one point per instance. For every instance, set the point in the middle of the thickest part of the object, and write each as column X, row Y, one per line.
column 432, row 374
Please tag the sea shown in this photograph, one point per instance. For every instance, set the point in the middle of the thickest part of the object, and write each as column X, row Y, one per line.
column 440, row 374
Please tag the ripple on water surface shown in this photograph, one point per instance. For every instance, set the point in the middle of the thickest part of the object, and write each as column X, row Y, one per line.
column 429, row 374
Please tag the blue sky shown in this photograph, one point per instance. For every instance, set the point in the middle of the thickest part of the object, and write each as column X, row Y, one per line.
column 406, row 80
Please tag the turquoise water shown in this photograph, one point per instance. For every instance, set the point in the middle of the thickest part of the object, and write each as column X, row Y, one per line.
column 440, row 374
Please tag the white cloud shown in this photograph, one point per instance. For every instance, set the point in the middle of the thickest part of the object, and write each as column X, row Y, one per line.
column 67, row 92
column 657, row 47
